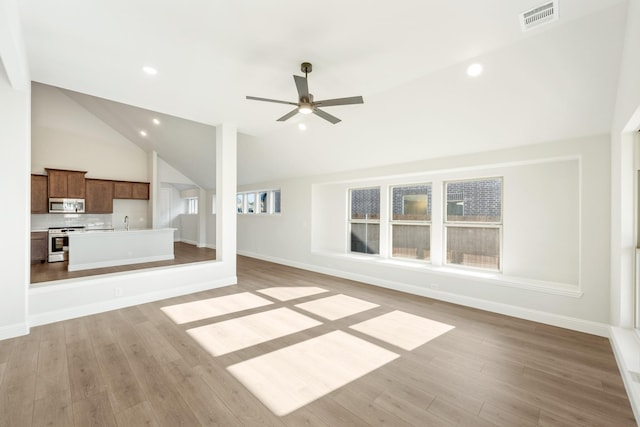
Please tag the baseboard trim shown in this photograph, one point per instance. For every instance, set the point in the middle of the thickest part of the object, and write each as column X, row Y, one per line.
column 575, row 324
column 114, row 263
column 117, row 303
column 14, row 330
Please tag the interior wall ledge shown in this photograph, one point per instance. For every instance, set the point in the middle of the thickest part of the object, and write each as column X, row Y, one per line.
column 626, row 348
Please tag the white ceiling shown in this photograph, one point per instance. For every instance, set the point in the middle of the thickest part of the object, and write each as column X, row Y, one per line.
column 407, row 58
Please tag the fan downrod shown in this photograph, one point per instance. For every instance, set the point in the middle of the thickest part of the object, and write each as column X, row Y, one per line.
column 306, row 68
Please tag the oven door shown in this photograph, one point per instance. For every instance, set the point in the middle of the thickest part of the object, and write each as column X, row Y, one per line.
column 58, row 247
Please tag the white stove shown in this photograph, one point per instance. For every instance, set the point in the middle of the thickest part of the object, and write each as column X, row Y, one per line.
column 59, row 242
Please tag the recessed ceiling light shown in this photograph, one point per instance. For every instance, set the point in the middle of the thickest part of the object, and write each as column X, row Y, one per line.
column 149, row 70
column 143, row 133
column 155, row 121
column 474, row 70
column 302, row 126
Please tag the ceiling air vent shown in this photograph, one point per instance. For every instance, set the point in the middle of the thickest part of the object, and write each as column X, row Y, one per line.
column 539, row 15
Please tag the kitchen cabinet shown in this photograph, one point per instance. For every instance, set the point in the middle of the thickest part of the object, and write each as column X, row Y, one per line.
column 140, row 190
column 39, row 194
column 98, row 196
column 39, row 247
column 66, row 184
column 130, row 190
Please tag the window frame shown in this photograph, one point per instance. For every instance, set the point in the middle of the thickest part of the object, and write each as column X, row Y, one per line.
column 423, row 223
column 269, row 202
column 365, row 221
column 192, row 206
column 446, row 224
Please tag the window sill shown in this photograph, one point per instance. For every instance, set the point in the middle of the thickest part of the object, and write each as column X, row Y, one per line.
column 489, row 277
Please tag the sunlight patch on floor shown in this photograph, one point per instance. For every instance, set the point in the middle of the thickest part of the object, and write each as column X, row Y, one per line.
column 294, row 376
column 336, row 306
column 286, row 293
column 235, row 334
column 203, row 309
column 403, row 330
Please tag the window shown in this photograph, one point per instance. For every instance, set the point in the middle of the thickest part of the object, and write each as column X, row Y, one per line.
column 192, row 206
column 411, row 221
column 263, row 202
column 276, row 201
column 240, row 203
column 473, row 223
column 251, row 202
column 364, row 220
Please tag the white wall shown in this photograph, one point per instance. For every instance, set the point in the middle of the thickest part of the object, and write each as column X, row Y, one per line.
column 189, row 225
column 626, row 121
column 66, row 136
column 556, row 204
column 14, row 173
column 136, row 210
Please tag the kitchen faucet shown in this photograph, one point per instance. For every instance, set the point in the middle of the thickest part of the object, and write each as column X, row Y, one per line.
column 126, row 222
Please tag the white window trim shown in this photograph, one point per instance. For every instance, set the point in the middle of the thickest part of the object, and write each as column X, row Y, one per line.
column 256, row 194
column 364, row 221
column 472, row 224
column 392, row 222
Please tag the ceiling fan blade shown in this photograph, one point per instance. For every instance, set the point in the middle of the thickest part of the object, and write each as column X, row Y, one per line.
column 340, row 101
column 326, row 116
column 302, row 86
column 288, row 115
column 270, row 100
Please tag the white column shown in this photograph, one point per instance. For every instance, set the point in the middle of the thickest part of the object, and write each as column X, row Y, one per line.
column 153, row 211
column 203, row 211
column 226, row 187
column 15, row 168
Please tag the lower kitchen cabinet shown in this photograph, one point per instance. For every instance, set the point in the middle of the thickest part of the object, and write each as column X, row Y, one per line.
column 39, row 249
column 99, row 196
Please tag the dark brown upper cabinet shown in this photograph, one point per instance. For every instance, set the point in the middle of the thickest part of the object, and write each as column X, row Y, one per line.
column 66, row 184
column 39, row 194
column 99, row 196
column 130, row 190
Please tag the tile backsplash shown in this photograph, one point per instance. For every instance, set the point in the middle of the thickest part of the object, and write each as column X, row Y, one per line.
column 44, row 221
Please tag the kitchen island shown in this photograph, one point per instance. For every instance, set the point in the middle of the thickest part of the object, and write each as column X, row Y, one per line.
column 97, row 249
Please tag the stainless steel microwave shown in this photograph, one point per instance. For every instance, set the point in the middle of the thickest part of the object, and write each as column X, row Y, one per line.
column 66, row 205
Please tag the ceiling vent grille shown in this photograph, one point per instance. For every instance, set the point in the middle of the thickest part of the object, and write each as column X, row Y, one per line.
column 539, row 15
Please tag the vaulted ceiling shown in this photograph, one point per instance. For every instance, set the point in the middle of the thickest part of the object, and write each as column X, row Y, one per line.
column 408, row 60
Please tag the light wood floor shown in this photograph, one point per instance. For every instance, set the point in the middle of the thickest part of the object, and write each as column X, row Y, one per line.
column 184, row 254
column 134, row 367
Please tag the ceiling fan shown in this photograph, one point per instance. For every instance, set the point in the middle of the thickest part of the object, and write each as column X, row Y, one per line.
column 306, row 104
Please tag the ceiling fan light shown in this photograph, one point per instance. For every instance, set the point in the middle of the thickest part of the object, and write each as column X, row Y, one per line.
column 305, row 109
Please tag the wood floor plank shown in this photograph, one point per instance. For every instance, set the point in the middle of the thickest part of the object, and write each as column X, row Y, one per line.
column 85, row 377
column 55, row 409
column 17, row 389
column 456, row 415
column 136, row 367
column 161, row 348
column 205, row 405
column 124, row 391
column 94, row 411
column 167, row 404
column 246, row 406
column 140, row 415
column 53, row 373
